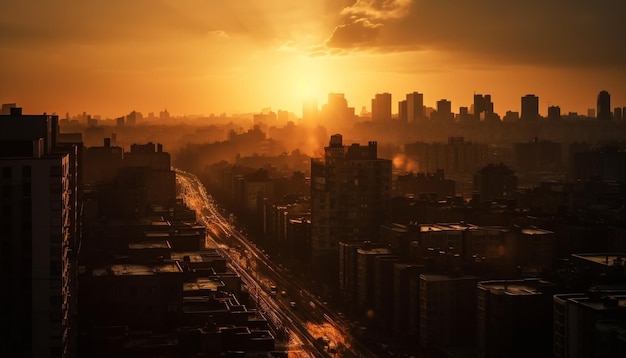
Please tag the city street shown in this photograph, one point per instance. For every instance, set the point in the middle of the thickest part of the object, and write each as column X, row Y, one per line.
column 309, row 327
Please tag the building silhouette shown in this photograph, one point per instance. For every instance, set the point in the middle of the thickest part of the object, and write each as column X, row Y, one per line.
column 415, row 107
column 402, row 111
column 381, row 107
column 444, row 110
column 530, row 107
column 604, row 106
column 350, row 188
column 495, row 182
column 554, row 112
column 38, row 183
column 483, row 107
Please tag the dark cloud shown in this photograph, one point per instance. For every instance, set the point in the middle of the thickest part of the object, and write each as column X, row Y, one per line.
column 557, row 32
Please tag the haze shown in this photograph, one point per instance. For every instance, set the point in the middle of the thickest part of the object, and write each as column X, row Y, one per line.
column 202, row 57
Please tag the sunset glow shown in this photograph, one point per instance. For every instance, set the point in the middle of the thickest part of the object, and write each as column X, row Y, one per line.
column 206, row 57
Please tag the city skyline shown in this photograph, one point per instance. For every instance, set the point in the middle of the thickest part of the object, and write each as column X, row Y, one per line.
column 201, row 58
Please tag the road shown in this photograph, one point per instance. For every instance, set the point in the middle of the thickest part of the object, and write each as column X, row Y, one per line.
column 312, row 330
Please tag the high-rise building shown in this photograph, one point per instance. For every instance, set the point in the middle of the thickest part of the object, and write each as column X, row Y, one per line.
column 336, row 112
column 512, row 313
column 604, row 105
column 554, row 112
column 530, row 107
column 402, row 111
column 381, row 107
column 37, row 243
column 617, row 113
column 350, row 188
column 444, row 110
column 415, row 107
column 483, row 107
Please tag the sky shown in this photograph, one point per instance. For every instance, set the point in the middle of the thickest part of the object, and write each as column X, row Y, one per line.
column 110, row 57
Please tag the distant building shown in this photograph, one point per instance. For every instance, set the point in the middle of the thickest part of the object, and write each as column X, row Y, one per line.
column 454, row 157
column 530, row 107
column 6, row 108
column 483, row 107
column 604, row 106
column 424, row 183
column 554, row 112
column 511, row 116
column 538, row 156
column 444, row 110
column 591, row 112
column 464, row 114
column 415, row 107
column 403, row 111
column 495, row 182
column 381, row 107
column 617, row 114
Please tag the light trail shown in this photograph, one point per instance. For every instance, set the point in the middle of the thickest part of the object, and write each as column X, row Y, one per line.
column 313, row 331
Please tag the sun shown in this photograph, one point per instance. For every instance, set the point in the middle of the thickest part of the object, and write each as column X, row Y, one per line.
column 308, row 89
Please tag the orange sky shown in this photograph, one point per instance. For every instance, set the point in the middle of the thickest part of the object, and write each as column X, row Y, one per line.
column 207, row 56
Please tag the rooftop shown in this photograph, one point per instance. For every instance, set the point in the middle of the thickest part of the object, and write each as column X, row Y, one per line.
column 606, row 303
column 515, row 287
column 535, row 231
column 162, row 244
column 447, row 227
column 203, row 284
column 136, row 269
column 373, row 251
column 606, row 259
column 196, row 256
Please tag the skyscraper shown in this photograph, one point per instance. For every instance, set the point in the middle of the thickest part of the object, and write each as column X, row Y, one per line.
column 402, row 111
column 415, row 107
column 604, row 106
column 37, row 214
column 381, row 107
column 483, row 107
column 530, row 107
column 350, row 188
column 444, row 110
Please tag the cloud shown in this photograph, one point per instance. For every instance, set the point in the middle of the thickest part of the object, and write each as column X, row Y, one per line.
column 358, row 32
column 534, row 32
column 27, row 23
column 378, row 9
